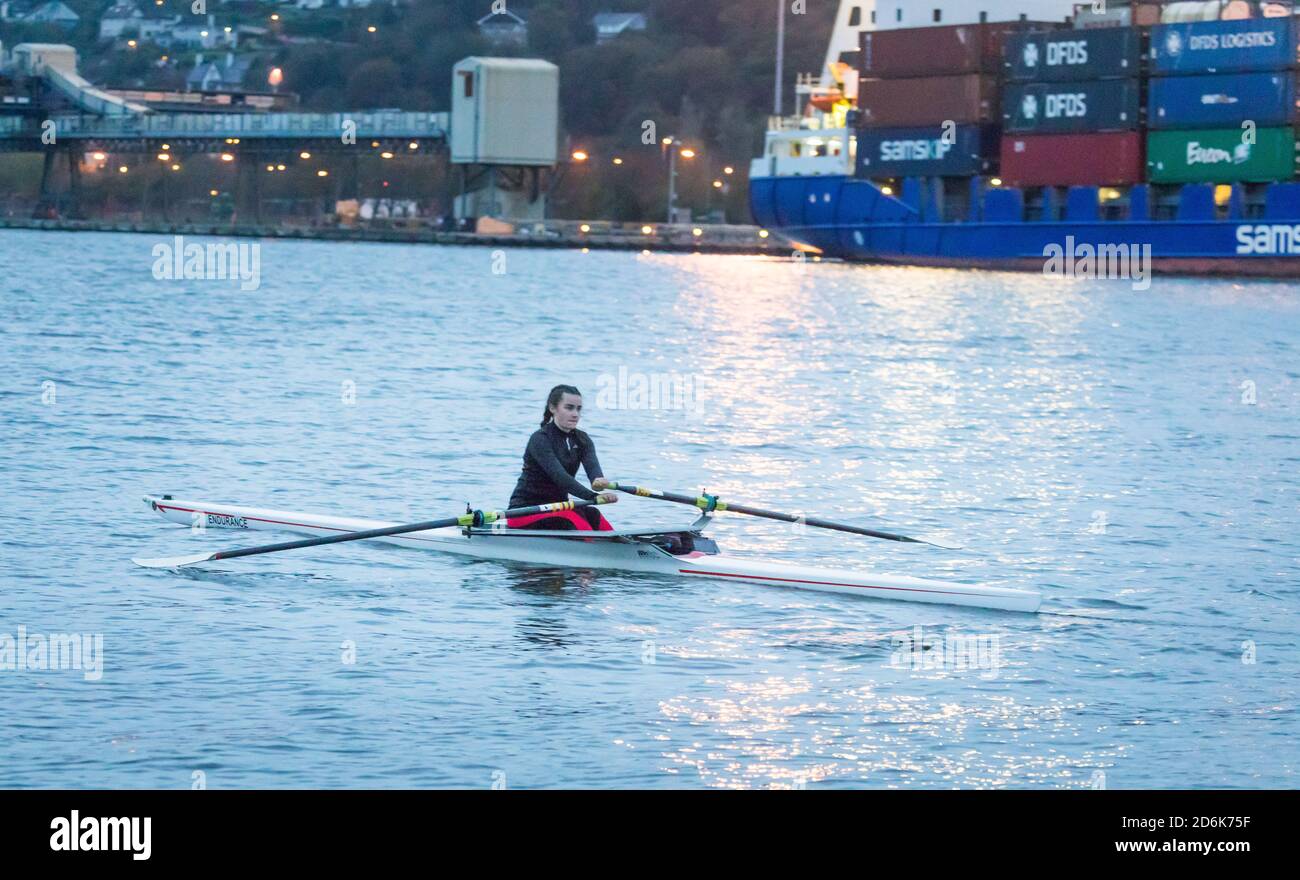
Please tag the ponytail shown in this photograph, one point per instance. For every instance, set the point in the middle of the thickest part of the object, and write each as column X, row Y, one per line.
column 554, row 398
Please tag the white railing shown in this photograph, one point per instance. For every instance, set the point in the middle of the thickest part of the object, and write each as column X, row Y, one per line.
column 367, row 124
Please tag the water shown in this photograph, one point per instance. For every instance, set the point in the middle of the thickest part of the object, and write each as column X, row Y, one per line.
column 1080, row 438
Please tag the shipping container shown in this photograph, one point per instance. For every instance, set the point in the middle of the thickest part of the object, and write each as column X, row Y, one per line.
column 1106, row 159
column 938, row 51
column 1220, row 155
column 927, row 151
column 1098, row 105
column 1225, row 46
column 1103, row 16
column 1074, row 55
column 1222, row 99
column 932, row 100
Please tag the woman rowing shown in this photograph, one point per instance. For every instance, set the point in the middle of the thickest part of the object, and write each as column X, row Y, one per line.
column 554, row 452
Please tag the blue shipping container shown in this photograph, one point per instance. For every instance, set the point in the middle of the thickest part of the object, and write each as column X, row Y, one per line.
column 1073, row 107
column 1221, row 100
column 1225, row 46
column 1100, row 53
column 925, row 152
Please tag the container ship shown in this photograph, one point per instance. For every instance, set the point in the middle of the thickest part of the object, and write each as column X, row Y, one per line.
column 1037, row 130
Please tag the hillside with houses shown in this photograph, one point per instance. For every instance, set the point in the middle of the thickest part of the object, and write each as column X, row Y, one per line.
column 699, row 69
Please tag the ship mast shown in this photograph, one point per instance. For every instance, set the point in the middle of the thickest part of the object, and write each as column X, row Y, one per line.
column 780, row 56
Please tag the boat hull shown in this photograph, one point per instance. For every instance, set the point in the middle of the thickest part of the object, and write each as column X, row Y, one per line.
column 852, row 219
column 619, row 553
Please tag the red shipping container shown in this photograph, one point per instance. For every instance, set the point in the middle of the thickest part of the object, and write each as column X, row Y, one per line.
column 939, row 51
column 1107, row 159
column 932, row 100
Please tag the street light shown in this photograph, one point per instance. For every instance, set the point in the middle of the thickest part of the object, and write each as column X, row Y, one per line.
column 579, row 155
column 687, row 153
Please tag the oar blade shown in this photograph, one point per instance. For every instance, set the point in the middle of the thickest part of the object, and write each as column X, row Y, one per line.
column 173, row 561
column 938, row 542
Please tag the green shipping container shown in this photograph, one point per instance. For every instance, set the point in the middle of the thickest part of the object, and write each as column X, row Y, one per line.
column 1220, row 155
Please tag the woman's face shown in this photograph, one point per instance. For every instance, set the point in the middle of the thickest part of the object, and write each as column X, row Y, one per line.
column 567, row 412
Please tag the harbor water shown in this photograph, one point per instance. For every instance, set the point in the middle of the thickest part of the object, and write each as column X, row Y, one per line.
column 1131, row 454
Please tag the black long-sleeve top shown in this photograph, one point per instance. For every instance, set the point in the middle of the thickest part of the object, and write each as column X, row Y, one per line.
column 550, row 461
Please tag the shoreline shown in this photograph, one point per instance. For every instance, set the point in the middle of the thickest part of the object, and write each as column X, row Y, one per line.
column 742, row 240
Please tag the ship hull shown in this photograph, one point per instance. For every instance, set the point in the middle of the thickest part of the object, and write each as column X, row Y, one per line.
column 852, row 219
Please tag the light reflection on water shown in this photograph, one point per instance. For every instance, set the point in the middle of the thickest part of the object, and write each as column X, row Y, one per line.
column 1077, row 438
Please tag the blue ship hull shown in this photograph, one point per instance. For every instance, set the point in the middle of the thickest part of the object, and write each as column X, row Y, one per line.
column 853, row 219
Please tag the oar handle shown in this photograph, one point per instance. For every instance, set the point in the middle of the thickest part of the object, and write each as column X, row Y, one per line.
column 709, row 503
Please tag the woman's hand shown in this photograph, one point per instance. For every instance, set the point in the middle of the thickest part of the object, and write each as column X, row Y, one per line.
column 608, row 498
column 599, row 484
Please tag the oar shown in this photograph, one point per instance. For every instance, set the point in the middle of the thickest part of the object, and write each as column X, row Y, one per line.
column 473, row 518
column 709, row 503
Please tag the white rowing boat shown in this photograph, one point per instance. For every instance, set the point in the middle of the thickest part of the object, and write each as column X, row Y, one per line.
column 681, row 552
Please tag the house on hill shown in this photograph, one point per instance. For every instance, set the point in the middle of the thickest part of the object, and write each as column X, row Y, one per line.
column 128, row 19
column 612, row 24
column 222, row 75
column 54, row 12
column 504, row 28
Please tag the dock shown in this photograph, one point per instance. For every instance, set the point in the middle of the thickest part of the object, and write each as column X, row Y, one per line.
column 567, row 234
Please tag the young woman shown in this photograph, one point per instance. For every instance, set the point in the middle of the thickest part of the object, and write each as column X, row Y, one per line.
column 554, row 452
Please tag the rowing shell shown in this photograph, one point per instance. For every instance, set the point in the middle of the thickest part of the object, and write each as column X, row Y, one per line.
column 682, row 552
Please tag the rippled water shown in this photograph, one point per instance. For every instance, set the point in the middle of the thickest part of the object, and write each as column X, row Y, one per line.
column 1080, row 438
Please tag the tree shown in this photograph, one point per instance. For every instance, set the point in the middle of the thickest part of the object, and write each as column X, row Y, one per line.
column 373, row 84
